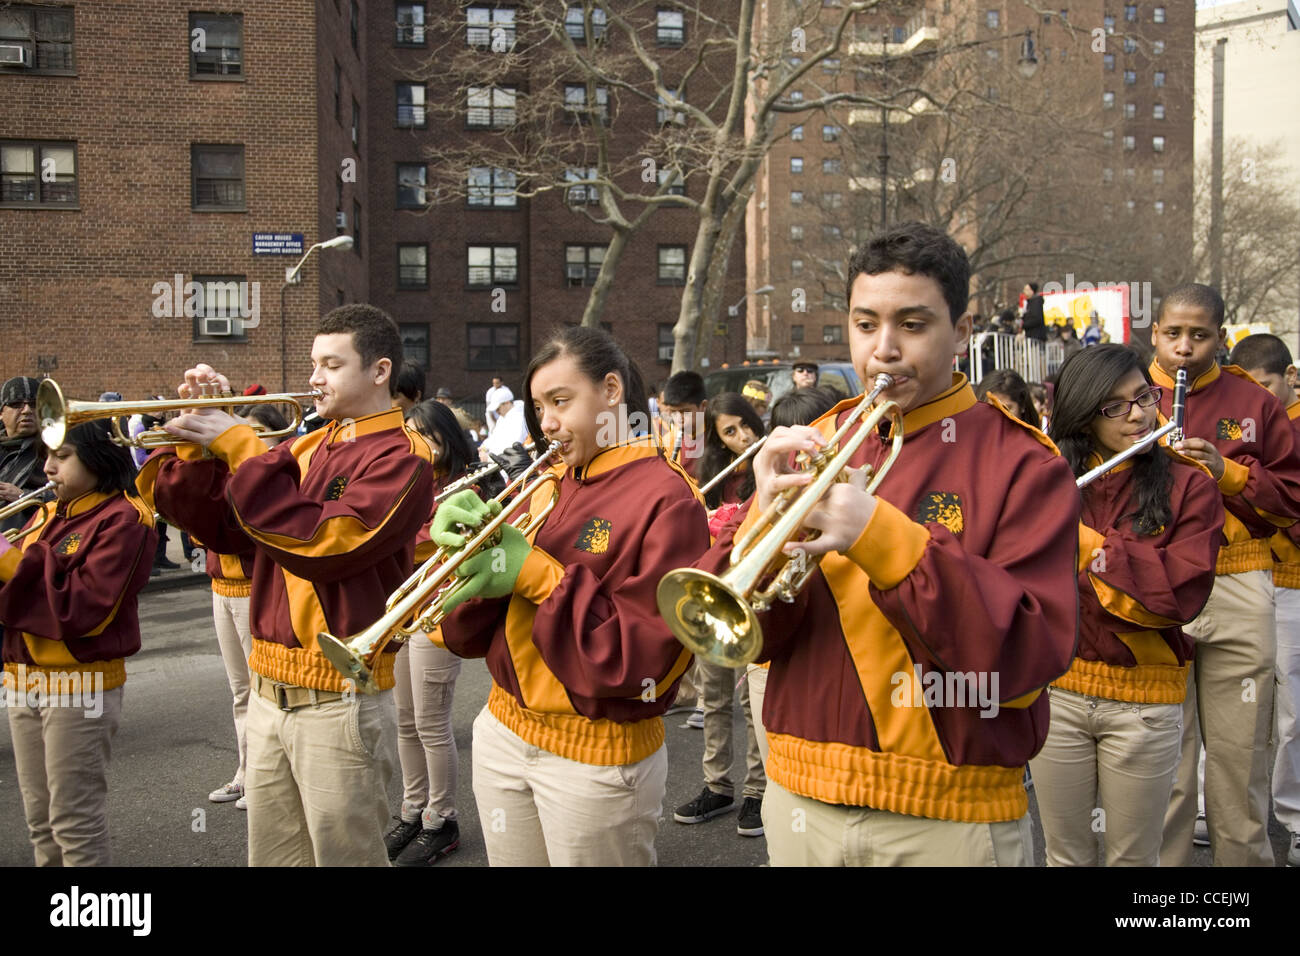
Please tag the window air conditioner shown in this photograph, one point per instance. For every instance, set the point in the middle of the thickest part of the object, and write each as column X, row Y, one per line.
column 341, row 220
column 14, row 55
column 217, row 326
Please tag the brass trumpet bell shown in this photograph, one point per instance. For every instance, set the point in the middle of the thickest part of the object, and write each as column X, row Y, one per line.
column 709, row 618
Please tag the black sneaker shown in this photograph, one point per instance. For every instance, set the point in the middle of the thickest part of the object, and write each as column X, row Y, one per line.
column 166, row 564
column 430, row 845
column 397, row 838
column 704, row 807
column 750, row 821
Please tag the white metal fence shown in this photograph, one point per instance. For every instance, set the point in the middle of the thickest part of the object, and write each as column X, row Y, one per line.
column 1034, row 360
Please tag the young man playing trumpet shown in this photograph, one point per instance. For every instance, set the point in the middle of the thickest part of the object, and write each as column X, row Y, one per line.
column 1241, row 433
column 957, row 575
column 332, row 517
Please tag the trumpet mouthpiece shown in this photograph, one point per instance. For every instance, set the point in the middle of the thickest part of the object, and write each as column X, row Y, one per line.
column 883, row 381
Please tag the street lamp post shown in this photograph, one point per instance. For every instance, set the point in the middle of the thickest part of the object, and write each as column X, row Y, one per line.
column 884, row 135
column 292, row 276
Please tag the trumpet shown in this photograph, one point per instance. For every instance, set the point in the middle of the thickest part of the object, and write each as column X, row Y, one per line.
column 57, row 414
column 740, row 459
column 417, row 606
column 13, row 535
column 716, row 617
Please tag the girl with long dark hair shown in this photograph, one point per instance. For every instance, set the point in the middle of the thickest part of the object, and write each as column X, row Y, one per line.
column 1148, row 538
column 569, row 759
column 425, row 683
column 68, row 605
column 730, row 426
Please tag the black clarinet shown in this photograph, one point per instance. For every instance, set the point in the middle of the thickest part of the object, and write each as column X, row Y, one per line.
column 1179, row 417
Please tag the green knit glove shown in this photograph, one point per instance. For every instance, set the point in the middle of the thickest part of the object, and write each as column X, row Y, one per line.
column 492, row 572
column 463, row 510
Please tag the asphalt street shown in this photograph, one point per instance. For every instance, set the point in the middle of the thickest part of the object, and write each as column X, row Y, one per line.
column 176, row 743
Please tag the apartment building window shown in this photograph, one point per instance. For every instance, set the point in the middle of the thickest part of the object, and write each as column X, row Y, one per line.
column 354, row 23
column 491, row 266
column 582, row 264
column 1130, row 45
column 678, row 186
column 796, row 233
column 490, row 107
column 356, row 227
column 410, row 105
column 667, row 344
column 1160, row 207
column 575, row 27
column 585, row 191
column 1158, row 111
column 1047, row 18
column 796, row 197
column 1130, row 174
column 830, row 134
column 415, row 342
column 1107, row 60
column 992, row 19
column 1108, row 22
column 410, row 24
column 832, row 200
column 796, row 96
column 832, row 166
column 1130, row 205
column 899, row 35
column 796, row 134
column 1158, row 15
column 672, row 265
column 1130, row 111
column 493, row 347
column 1159, row 78
column 356, row 123
column 1065, row 16
column 833, row 334
column 338, row 92
column 482, row 23
column 796, row 334
column 1158, row 143
column 1157, row 47
column 796, row 164
column 832, row 233
column 667, row 116
column 1108, row 137
column 830, row 65
column 38, row 174
column 1158, row 176
column 412, row 265
column 575, row 103
column 992, row 53
column 1131, row 13
column 412, row 178
column 220, row 319
column 1130, row 143
column 492, row 186
column 670, row 28
column 1108, row 100
column 796, row 267
column 217, row 182
column 220, row 37
column 1130, row 77
column 45, row 35
column 1108, row 175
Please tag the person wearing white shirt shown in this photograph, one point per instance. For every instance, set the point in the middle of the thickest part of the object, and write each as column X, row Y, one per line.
column 511, row 427
column 497, row 394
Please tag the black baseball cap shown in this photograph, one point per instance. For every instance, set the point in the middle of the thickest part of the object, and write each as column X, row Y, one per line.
column 810, row 366
column 20, row 388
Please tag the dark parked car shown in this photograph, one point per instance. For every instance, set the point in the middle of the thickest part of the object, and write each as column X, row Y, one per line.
column 838, row 376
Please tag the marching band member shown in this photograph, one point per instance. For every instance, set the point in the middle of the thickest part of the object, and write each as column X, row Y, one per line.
column 684, row 404
column 426, row 673
column 958, row 575
column 1147, row 544
column 1267, row 360
column 731, row 426
column 569, row 758
column 332, row 517
column 68, row 603
column 1242, row 435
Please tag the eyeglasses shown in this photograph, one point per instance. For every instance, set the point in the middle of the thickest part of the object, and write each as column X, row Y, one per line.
column 1121, row 408
column 25, row 403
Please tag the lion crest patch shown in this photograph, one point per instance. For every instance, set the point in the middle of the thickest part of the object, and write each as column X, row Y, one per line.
column 941, row 507
column 334, row 491
column 594, row 536
column 1229, row 429
column 69, row 545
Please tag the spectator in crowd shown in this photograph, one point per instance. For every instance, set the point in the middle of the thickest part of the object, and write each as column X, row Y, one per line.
column 759, row 395
column 22, row 456
column 497, row 394
column 1033, row 322
column 410, row 387
column 1092, row 334
column 804, row 374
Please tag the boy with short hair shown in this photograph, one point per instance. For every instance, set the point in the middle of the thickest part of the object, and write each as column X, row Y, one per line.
column 1240, row 433
column 684, row 403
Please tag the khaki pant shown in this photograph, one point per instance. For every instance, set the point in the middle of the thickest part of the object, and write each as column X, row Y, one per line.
column 718, row 692
column 230, row 617
column 62, row 755
column 1286, row 765
column 425, row 677
column 316, row 782
column 688, row 691
column 757, row 691
column 540, row 809
column 804, row 832
column 1107, row 767
column 1230, row 706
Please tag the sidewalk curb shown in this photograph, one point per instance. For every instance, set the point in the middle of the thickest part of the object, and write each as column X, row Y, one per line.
column 175, row 581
